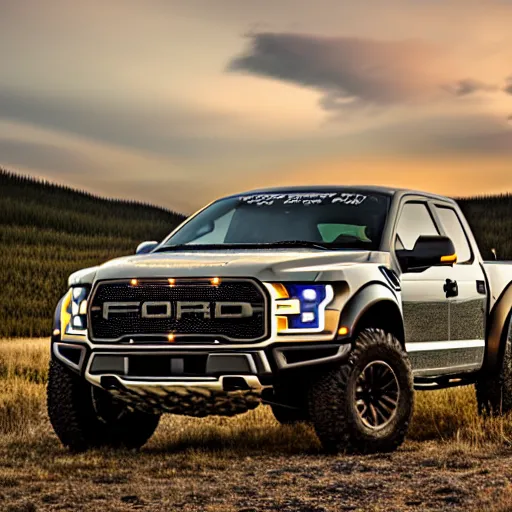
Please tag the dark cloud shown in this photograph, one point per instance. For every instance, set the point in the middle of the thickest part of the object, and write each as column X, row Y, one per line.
column 469, row 86
column 354, row 72
column 508, row 86
column 168, row 129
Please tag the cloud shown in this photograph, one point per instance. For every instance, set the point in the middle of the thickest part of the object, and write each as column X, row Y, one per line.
column 352, row 71
column 45, row 157
column 508, row 86
column 469, row 86
column 168, row 129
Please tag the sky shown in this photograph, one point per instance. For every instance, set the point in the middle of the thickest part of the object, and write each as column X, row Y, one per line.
column 177, row 103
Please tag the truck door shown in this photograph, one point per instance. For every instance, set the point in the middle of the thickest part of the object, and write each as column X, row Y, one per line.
column 467, row 293
column 424, row 301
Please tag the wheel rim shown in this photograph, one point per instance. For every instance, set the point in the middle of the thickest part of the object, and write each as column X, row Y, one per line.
column 377, row 394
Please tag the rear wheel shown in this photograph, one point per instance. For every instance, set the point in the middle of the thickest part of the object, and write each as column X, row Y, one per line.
column 366, row 404
column 494, row 392
column 85, row 416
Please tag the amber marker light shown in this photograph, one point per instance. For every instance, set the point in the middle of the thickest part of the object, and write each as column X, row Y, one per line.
column 281, row 291
column 282, row 323
column 170, row 338
column 452, row 258
column 215, row 281
column 343, row 331
column 134, row 282
column 172, row 281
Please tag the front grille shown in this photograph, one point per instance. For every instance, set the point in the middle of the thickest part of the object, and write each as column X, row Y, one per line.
column 125, row 322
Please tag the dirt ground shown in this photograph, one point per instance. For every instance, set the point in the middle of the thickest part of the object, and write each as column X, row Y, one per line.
column 453, row 459
column 191, row 474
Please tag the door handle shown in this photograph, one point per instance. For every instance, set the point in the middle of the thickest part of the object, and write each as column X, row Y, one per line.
column 451, row 288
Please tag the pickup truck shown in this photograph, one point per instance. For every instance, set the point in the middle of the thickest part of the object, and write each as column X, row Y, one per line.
column 330, row 304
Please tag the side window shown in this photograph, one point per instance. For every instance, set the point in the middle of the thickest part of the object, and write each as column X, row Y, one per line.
column 415, row 220
column 455, row 231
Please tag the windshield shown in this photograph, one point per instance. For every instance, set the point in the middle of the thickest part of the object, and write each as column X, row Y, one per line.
column 338, row 219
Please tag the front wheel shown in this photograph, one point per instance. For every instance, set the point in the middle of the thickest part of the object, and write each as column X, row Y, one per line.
column 366, row 404
column 85, row 416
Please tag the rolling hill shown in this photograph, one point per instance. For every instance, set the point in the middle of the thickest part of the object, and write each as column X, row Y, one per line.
column 49, row 231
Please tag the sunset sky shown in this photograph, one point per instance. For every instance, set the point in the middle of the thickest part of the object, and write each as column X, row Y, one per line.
column 179, row 102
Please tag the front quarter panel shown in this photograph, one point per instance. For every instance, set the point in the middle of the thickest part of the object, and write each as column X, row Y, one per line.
column 371, row 295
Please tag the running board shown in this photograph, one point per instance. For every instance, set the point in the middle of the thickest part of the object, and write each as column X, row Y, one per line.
column 444, row 381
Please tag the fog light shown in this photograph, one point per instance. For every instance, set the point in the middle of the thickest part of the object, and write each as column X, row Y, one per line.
column 170, row 338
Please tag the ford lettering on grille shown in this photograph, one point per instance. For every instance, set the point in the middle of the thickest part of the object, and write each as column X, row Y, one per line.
column 180, row 309
column 234, row 310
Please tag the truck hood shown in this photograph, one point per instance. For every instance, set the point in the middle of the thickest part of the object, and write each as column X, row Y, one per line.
column 267, row 265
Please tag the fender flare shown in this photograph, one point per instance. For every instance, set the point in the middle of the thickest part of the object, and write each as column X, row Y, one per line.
column 499, row 328
column 370, row 295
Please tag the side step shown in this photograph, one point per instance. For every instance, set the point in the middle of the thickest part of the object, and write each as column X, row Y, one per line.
column 444, row 381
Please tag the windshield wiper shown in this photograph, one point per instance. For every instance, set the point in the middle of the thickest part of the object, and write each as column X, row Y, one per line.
column 299, row 243
column 195, row 247
column 282, row 243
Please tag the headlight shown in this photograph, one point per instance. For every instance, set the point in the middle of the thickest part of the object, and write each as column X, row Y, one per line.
column 74, row 311
column 300, row 308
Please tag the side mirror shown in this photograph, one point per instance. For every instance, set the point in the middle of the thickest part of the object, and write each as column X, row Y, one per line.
column 428, row 251
column 146, row 247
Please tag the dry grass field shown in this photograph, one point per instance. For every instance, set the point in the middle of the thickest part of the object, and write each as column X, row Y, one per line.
column 453, row 460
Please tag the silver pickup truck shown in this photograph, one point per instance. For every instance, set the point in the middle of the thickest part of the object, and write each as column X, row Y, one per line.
column 330, row 304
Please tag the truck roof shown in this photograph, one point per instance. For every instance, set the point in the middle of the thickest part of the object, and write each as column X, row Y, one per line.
column 390, row 191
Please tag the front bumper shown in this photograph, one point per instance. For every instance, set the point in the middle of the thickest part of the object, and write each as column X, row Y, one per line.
column 197, row 377
column 196, row 382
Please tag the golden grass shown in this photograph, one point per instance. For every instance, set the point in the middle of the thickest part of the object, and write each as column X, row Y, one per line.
column 446, row 438
column 25, row 358
column 444, row 416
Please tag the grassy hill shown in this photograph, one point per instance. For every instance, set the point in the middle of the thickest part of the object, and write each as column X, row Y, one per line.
column 49, row 231
column 490, row 218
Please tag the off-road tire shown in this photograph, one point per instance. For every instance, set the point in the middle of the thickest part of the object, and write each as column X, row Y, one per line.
column 73, row 411
column 332, row 398
column 494, row 392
